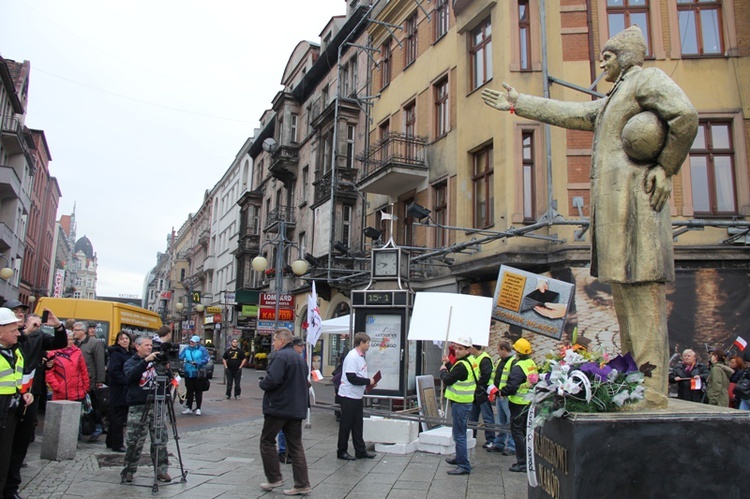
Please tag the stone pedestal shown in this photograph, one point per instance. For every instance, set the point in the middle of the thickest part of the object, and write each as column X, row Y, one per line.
column 681, row 451
column 61, row 421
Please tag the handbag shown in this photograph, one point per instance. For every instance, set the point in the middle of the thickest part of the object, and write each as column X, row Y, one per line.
column 206, row 384
column 742, row 388
column 88, row 417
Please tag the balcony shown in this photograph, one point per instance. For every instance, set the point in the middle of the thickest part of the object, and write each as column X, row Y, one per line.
column 284, row 164
column 249, row 241
column 345, row 187
column 209, row 264
column 394, row 165
column 278, row 215
column 12, row 135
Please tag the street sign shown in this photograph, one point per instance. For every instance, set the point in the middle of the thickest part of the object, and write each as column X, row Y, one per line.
column 269, row 300
column 269, row 314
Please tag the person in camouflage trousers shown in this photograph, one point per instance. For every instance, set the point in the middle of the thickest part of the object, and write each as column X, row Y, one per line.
column 141, row 375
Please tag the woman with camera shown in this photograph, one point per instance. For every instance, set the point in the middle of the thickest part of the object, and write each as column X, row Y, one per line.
column 119, row 353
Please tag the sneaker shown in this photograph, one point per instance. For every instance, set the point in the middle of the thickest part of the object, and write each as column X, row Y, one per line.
column 237, row 397
column 487, row 445
column 508, row 452
column 187, row 411
column 491, row 447
column 518, row 468
column 271, row 485
column 164, row 477
column 197, row 412
column 297, row 491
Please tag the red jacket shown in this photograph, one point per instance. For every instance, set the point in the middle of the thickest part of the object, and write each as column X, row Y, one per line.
column 68, row 378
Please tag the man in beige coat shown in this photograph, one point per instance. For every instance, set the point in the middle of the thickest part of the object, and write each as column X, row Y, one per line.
column 631, row 244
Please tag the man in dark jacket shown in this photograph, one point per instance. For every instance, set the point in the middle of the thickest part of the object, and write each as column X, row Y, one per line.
column 141, row 375
column 284, row 407
column 33, row 343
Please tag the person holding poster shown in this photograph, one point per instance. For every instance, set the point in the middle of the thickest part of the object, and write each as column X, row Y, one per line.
column 461, row 383
column 353, row 383
column 521, row 378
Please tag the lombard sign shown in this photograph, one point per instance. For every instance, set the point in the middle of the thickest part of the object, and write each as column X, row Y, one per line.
column 269, row 300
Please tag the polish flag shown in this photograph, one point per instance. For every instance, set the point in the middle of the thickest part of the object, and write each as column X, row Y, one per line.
column 740, row 343
column 316, row 375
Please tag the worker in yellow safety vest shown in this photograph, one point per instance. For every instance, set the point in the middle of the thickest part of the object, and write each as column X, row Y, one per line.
column 503, row 441
column 481, row 362
column 516, row 388
column 13, row 398
column 461, row 383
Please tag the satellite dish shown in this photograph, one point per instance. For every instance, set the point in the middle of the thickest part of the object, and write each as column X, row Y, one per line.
column 270, row 145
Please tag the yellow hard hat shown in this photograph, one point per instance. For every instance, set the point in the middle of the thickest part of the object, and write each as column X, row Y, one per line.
column 522, row 346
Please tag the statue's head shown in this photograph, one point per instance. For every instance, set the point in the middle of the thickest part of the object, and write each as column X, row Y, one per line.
column 630, row 47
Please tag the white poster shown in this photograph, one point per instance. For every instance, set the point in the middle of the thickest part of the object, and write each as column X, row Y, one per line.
column 322, row 232
column 441, row 316
column 384, row 354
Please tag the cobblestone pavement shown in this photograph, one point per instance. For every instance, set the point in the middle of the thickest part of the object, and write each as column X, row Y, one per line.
column 220, row 453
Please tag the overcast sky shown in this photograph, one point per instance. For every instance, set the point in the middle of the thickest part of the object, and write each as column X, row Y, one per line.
column 145, row 103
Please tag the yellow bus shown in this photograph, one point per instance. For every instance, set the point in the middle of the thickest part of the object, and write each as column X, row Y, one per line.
column 110, row 317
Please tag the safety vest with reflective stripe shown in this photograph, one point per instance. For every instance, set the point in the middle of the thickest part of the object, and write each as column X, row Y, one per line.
column 462, row 391
column 476, row 362
column 506, row 370
column 528, row 366
column 11, row 379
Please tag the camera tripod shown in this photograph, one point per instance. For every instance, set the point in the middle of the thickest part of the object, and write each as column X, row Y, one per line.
column 160, row 402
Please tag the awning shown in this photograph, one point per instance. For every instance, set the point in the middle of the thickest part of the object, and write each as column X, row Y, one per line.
column 338, row 325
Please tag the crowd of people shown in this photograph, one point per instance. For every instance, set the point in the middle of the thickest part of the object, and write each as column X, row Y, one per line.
column 712, row 384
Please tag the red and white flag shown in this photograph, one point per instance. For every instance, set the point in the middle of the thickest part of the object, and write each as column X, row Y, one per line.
column 740, row 343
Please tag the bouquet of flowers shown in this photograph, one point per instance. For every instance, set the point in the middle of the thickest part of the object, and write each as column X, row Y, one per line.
column 576, row 380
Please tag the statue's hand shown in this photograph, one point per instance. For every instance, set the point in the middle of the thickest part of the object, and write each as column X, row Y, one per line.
column 659, row 186
column 504, row 101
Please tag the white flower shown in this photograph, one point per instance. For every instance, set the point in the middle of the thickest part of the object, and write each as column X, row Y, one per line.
column 571, row 386
column 572, row 357
column 636, row 377
column 621, row 398
column 612, row 376
column 638, row 393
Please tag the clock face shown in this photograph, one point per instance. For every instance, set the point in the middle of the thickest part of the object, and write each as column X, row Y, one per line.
column 385, row 263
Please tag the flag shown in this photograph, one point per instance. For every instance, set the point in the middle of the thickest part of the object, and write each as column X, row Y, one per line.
column 740, row 343
column 316, row 375
column 313, row 317
column 387, row 216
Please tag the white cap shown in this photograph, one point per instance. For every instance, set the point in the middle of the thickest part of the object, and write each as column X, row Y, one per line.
column 7, row 316
column 196, row 339
column 463, row 341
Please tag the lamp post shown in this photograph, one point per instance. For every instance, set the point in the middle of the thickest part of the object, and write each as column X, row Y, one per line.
column 260, row 263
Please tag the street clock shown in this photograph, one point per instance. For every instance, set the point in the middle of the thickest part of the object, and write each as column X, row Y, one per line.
column 389, row 263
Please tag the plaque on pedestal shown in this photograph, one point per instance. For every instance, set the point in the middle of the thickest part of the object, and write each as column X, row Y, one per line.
column 684, row 450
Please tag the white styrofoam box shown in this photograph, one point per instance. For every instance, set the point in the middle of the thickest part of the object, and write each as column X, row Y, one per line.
column 397, row 448
column 389, row 431
column 437, row 436
column 436, row 449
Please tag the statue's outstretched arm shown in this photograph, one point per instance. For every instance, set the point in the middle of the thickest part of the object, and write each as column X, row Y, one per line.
column 574, row 115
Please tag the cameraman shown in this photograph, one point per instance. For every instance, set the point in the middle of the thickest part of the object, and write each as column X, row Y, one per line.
column 140, row 372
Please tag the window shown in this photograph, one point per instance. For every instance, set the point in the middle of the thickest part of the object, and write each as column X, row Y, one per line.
column 294, row 127
column 408, row 227
column 440, row 213
column 524, row 34
column 350, row 130
column 346, row 225
column 442, row 115
column 344, row 80
column 305, row 181
column 622, row 14
column 302, row 244
column 410, row 43
column 323, row 98
column 481, row 54
column 528, row 167
column 385, row 130
column 325, row 156
column 309, row 119
column 385, row 64
column 482, row 179
column 352, row 78
column 700, row 27
column 712, row 170
column 410, row 126
column 442, row 18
